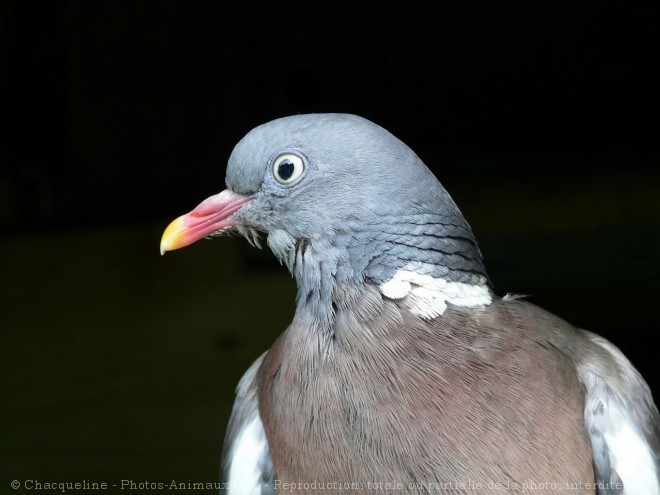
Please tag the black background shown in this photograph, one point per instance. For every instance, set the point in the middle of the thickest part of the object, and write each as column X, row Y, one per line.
column 541, row 118
column 102, row 99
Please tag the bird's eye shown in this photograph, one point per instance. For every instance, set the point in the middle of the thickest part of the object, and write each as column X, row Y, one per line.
column 287, row 168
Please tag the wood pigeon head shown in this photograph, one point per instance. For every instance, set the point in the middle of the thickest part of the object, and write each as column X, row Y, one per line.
column 342, row 202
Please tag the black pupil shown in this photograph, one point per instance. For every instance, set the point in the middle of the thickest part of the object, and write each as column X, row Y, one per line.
column 285, row 169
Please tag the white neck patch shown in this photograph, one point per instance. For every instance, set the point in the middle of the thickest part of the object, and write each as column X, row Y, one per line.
column 427, row 296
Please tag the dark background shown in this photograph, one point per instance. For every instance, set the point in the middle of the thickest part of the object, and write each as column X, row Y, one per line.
column 541, row 119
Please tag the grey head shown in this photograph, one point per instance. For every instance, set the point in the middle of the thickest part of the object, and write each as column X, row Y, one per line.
column 344, row 202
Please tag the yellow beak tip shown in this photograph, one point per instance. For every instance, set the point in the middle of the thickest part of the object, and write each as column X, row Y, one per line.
column 173, row 237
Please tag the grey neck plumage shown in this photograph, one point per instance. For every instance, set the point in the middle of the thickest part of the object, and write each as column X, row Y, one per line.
column 335, row 267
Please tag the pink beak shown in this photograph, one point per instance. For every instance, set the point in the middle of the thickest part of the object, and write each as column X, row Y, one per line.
column 211, row 215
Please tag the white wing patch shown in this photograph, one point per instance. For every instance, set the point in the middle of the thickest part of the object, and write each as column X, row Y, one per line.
column 247, row 468
column 427, row 296
column 247, row 459
column 618, row 410
column 631, row 458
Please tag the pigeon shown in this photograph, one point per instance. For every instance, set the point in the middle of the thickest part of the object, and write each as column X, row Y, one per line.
column 402, row 371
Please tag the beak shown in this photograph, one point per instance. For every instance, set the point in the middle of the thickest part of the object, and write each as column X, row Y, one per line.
column 211, row 215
